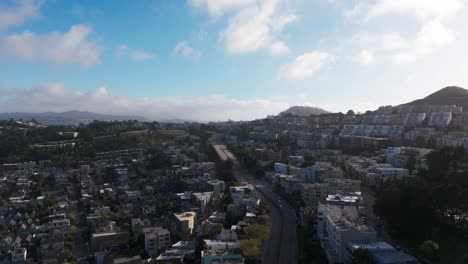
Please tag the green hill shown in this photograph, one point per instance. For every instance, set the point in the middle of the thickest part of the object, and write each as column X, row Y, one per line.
column 451, row 95
column 303, row 111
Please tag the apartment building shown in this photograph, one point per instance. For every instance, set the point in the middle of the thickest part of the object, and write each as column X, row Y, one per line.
column 103, row 240
column 414, row 119
column 453, row 139
column 429, row 109
column 393, row 132
column 399, row 157
column 340, row 231
column 425, row 133
column 156, row 238
column 381, row 253
column 266, row 155
column 183, row 224
column 217, row 186
column 314, row 193
column 372, row 173
column 324, row 210
column 338, row 185
column 440, row 119
column 18, row 256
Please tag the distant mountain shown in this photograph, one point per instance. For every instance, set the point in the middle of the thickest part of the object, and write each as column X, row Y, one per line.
column 303, row 111
column 68, row 118
column 451, row 95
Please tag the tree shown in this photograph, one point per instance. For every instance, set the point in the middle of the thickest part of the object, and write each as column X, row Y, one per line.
column 362, row 256
column 160, row 161
column 350, row 113
column 411, row 163
column 50, row 201
column 432, row 206
column 257, row 231
column 72, row 218
column 406, row 209
column 259, row 172
column 429, row 248
column 231, row 219
column 3, row 227
column 250, row 247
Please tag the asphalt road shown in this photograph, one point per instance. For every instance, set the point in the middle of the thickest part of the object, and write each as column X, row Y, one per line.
column 282, row 244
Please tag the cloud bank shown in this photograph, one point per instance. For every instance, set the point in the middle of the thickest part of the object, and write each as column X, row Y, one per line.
column 56, row 97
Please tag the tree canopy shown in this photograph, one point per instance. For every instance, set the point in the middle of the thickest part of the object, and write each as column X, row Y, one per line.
column 433, row 205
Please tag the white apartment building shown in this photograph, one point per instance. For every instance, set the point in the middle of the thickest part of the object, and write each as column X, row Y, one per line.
column 217, row 187
column 203, row 199
column 378, row 174
column 339, row 232
column 414, row 119
column 389, row 131
column 440, row 119
column 312, row 194
column 325, row 210
column 429, row 109
column 184, row 223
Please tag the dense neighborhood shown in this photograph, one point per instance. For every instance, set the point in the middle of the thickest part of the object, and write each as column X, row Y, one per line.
column 284, row 189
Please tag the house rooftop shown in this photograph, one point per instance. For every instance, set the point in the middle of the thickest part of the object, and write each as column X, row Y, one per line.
column 185, row 215
column 391, row 257
column 371, row 245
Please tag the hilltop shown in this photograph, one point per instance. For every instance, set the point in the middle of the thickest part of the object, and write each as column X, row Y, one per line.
column 303, row 111
column 451, row 95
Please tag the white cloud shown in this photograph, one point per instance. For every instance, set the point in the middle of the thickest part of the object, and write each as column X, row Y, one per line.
column 253, row 25
column 393, row 41
column 422, row 9
column 305, row 65
column 356, row 10
column 256, row 27
column 23, row 11
column 56, row 97
column 184, row 49
column 431, row 19
column 279, row 47
column 366, row 57
column 123, row 51
column 219, row 7
column 72, row 47
column 432, row 36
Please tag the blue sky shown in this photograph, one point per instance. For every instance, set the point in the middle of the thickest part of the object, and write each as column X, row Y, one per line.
column 220, row 59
